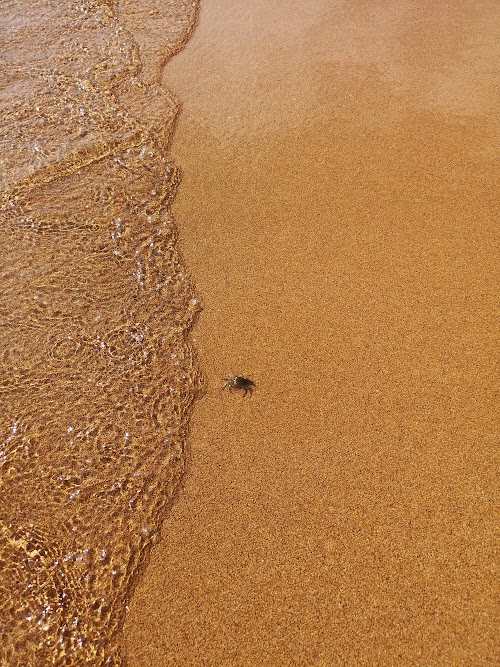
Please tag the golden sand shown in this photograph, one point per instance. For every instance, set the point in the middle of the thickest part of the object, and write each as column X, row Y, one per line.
column 337, row 212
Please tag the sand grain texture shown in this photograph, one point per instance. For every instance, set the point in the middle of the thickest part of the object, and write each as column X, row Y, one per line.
column 337, row 212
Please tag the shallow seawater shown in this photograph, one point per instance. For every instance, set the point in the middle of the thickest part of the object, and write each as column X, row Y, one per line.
column 98, row 374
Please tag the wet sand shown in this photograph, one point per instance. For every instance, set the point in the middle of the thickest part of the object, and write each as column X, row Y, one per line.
column 337, row 213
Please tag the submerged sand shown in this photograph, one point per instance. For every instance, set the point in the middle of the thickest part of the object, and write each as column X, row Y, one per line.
column 97, row 372
column 337, row 212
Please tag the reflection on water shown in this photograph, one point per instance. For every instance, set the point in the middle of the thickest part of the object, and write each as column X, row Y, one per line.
column 97, row 373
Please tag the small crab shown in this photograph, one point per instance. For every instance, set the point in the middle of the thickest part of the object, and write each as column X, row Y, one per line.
column 239, row 382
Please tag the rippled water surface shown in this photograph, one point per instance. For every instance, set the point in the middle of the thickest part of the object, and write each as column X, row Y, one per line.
column 97, row 371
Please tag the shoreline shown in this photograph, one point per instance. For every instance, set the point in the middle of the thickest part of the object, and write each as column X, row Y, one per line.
column 98, row 374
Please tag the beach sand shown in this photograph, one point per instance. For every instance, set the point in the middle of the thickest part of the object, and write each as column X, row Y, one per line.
column 337, row 213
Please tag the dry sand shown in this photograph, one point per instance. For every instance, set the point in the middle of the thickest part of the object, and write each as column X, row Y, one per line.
column 337, row 213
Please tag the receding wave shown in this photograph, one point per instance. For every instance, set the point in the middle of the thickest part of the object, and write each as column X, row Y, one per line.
column 97, row 373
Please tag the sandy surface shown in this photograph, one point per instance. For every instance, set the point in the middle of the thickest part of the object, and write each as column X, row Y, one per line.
column 337, row 212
